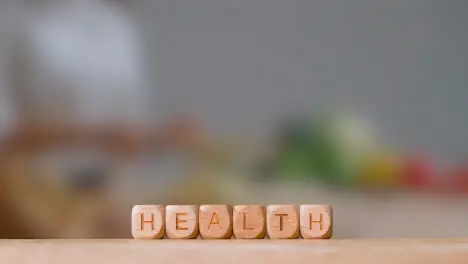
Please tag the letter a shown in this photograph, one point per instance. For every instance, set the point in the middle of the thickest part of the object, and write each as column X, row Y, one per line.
column 214, row 220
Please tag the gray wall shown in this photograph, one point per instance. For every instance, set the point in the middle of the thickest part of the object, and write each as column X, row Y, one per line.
column 243, row 63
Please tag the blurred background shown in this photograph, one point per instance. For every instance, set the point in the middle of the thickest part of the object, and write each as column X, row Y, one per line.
column 109, row 103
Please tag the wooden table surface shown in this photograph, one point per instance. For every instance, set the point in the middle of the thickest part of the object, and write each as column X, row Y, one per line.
column 236, row 251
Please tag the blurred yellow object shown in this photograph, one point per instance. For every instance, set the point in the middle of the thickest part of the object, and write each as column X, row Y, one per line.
column 381, row 170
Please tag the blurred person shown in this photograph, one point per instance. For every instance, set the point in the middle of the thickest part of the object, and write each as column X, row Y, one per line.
column 74, row 111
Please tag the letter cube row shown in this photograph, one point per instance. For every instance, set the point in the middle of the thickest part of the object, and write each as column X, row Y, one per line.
column 224, row 221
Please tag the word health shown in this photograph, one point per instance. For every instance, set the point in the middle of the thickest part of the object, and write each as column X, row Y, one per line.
column 225, row 221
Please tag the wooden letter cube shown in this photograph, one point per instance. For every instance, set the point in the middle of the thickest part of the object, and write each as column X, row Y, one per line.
column 215, row 221
column 148, row 221
column 316, row 221
column 282, row 221
column 182, row 221
column 249, row 221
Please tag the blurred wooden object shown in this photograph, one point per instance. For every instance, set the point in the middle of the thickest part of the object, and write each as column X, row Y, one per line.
column 353, row 251
column 33, row 207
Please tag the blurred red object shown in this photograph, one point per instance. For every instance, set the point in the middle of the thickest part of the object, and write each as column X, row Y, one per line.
column 459, row 179
column 420, row 172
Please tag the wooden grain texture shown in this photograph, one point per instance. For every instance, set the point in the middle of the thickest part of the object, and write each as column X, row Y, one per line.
column 282, row 221
column 316, row 221
column 215, row 221
column 181, row 221
column 148, row 221
column 411, row 251
column 249, row 222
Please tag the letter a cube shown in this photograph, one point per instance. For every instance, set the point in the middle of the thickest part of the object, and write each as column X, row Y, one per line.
column 215, row 221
